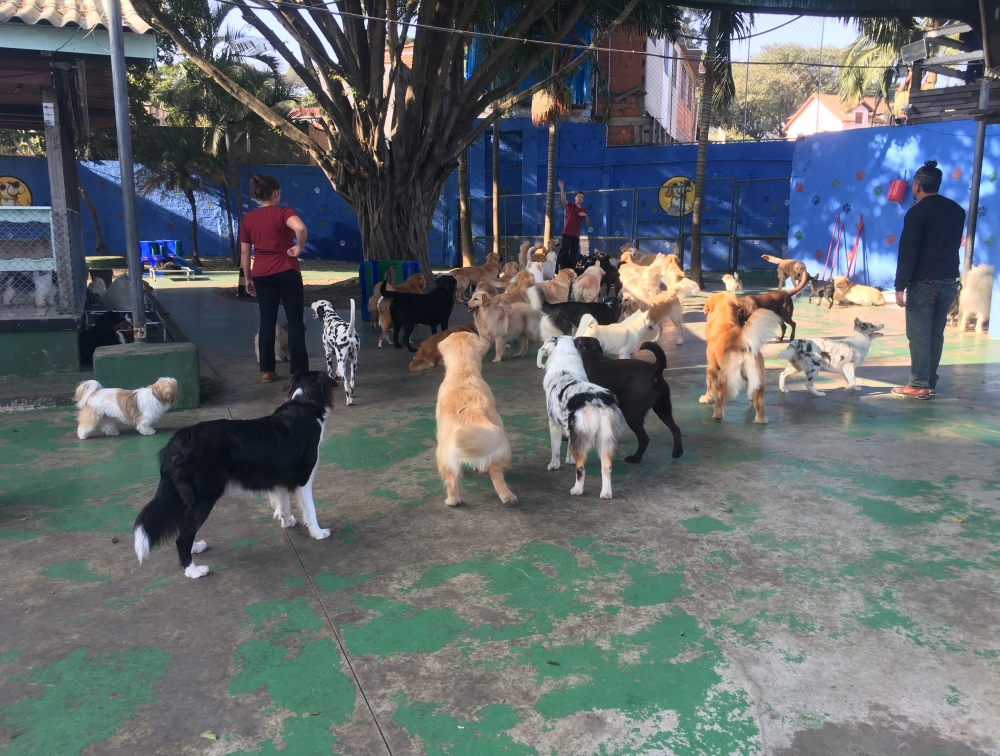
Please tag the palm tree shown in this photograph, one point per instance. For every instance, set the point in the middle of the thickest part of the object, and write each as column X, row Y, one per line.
column 717, row 90
column 874, row 61
column 177, row 162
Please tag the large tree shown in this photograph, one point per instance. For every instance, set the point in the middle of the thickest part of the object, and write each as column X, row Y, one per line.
column 384, row 76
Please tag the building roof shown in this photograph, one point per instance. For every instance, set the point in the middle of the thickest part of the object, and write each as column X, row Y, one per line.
column 84, row 14
column 833, row 104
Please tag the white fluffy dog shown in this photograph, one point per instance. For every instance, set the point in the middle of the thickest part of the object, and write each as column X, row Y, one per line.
column 974, row 299
column 732, row 283
column 143, row 408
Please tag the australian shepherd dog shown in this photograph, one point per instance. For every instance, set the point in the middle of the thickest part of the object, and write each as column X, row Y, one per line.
column 469, row 430
column 272, row 456
column 733, row 353
column 585, row 413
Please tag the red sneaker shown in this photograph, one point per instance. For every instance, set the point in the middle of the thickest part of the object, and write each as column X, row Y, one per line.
column 912, row 393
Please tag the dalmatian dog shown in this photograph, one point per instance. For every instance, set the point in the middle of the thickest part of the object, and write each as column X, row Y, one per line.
column 341, row 344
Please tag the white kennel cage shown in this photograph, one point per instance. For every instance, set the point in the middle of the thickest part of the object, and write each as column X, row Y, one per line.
column 40, row 278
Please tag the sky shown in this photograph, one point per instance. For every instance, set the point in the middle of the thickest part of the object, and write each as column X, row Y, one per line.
column 801, row 30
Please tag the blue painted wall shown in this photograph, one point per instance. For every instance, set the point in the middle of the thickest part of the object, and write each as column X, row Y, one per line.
column 848, row 174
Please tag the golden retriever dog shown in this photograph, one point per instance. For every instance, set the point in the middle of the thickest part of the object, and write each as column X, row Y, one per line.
column 672, row 270
column 557, row 289
column 469, row 429
column 734, row 354
column 517, row 290
column 491, row 286
column 378, row 307
column 500, row 322
column 473, row 274
column 787, row 269
column 587, row 287
column 510, row 270
column 637, row 285
column 428, row 355
column 631, row 254
column 853, row 293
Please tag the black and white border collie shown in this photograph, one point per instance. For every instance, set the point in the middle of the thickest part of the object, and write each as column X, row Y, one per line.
column 271, row 456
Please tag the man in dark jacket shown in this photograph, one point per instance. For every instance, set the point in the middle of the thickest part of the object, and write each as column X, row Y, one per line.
column 926, row 270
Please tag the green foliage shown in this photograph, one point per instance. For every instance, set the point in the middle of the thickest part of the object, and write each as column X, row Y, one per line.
column 874, row 57
column 775, row 91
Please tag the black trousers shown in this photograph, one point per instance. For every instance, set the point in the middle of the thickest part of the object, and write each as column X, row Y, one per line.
column 569, row 252
column 284, row 287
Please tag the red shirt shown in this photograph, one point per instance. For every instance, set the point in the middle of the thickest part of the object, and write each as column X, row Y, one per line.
column 574, row 215
column 266, row 228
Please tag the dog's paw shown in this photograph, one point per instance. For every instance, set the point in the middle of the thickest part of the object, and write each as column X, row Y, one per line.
column 452, row 502
column 576, row 490
column 199, row 546
column 633, row 460
column 286, row 522
column 320, row 533
column 553, row 465
column 81, row 435
column 704, row 399
column 508, row 499
column 143, row 431
column 194, row 571
column 856, row 388
column 782, row 389
column 819, row 393
column 605, row 494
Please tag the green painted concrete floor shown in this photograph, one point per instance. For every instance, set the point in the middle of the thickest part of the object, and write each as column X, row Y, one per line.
column 827, row 584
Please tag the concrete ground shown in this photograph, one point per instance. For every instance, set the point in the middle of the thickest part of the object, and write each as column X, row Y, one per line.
column 825, row 584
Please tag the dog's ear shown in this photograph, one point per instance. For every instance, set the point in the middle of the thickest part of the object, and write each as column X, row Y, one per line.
column 857, row 322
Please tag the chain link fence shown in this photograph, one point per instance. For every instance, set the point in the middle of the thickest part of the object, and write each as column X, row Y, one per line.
column 37, row 279
column 741, row 220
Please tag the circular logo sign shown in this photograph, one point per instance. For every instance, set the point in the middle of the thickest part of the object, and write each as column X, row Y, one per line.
column 677, row 196
column 14, row 192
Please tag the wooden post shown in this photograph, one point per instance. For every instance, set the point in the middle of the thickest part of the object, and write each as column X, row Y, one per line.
column 496, row 186
column 61, row 161
column 464, row 210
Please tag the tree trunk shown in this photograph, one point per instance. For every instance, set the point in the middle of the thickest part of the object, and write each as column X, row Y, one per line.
column 194, row 226
column 100, row 248
column 234, row 249
column 496, row 186
column 550, row 191
column 464, row 210
column 704, row 121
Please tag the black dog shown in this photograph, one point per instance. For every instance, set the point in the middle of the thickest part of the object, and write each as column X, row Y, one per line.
column 611, row 279
column 106, row 331
column 638, row 387
column 274, row 455
column 570, row 313
column 433, row 309
column 818, row 288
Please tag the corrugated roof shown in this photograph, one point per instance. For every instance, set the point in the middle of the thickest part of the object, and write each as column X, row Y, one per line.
column 85, row 14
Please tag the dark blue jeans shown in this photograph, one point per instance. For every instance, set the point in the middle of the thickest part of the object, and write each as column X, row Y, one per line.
column 927, row 304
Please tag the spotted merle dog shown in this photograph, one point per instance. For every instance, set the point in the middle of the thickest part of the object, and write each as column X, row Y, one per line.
column 585, row 413
column 341, row 344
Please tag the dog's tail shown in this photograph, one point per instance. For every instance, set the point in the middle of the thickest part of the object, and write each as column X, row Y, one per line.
column 523, row 256
column 537, row 299
column 385, row 292
column 481, row 445
column 801, row 285
column 160, row 520
column 84, row 391
column 350, row 327
column 771, row 259
column 759, row 330
column 661, row 359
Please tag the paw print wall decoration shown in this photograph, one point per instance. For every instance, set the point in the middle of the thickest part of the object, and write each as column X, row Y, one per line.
column 846, row 207
column 815, row 199
column 860, row 175
column 835, row 183
column 799, row 187
column 957, row 173
column 878, row 190
column 890, row 239
column 798, row 236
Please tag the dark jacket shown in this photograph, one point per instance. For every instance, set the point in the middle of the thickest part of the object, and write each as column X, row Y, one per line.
column 930, row 242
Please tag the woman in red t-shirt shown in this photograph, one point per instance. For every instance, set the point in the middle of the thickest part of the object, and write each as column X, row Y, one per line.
column 277, row 236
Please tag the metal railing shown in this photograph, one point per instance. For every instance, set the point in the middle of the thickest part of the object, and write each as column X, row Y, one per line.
column 39, row 279
column 741, row 219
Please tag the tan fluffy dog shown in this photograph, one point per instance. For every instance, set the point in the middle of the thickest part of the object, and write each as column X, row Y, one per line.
column 631, row 254
column 428, row 355
column 502, row 322
column 469, row 429
column 793, row 269
column 587, row 287
column 854, row 293
column 557, row 289
column 672, row 270
column 473, row 274
column 492, row 286
column 636, row 284
column 379, row 307
column 734, row 354
column 517, row 290
column 510, row 270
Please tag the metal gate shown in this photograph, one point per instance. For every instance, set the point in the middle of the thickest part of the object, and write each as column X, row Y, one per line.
column 741, row 220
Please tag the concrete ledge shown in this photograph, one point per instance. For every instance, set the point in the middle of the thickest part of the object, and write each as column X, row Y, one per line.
column 47, row 351
column 132, row 366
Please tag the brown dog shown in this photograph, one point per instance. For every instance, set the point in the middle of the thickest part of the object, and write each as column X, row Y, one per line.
column 501, row 322
column 778, row 302
column 473, row 274
column 428, row 355
column 510, row 270
column 557, row 289
column 517, row 290
column 787, row 269
column 379, row 307
column 469, row 429
column 733, row 352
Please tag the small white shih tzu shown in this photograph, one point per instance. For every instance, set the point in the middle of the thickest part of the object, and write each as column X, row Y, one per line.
column 101, row 407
